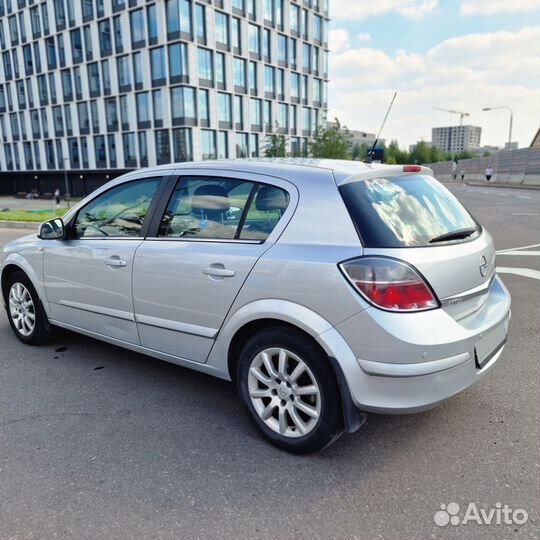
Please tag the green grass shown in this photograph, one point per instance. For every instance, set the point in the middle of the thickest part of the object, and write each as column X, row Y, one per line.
column 32, row 216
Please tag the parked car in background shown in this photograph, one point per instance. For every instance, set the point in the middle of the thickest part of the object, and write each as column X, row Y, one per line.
column 324, row 289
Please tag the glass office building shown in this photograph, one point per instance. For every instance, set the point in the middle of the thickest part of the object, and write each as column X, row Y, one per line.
column 103, row 86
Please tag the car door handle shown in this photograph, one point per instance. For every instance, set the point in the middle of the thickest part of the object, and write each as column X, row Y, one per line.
column 218, row 271
column 116, row 262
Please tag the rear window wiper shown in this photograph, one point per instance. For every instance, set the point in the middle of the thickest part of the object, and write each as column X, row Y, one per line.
column 454, row 235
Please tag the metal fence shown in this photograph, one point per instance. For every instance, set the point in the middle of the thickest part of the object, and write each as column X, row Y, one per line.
column 514, row 167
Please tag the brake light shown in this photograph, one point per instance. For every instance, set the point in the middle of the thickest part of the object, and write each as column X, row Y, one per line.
column 412, row 168
column 389, row 284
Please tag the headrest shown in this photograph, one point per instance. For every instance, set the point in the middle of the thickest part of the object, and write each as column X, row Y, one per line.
column 210, row 197
column 271, row 198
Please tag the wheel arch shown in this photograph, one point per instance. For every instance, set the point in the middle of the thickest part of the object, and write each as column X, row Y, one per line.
column 263, row 314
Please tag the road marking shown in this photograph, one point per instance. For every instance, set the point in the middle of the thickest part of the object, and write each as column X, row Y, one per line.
column 526, row 214
column 523, row 197
column 525, row 272
column 517, row 248
column 502, row 194
column 521, row 253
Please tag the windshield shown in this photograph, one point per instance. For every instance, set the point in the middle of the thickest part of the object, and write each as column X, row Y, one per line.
column 405, row 211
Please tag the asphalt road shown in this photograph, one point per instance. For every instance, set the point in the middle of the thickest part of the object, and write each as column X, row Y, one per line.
column 100, row 443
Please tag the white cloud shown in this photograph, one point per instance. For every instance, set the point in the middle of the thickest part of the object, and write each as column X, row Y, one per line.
column 465, row 73
column 492, row 7
column 363, row 37
column 412, row 9
column 338, row 40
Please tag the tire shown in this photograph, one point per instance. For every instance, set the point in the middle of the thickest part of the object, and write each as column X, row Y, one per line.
column 298, row 410
column 23, row 303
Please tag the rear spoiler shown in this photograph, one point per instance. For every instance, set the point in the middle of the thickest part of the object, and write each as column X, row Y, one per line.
column 386, row 171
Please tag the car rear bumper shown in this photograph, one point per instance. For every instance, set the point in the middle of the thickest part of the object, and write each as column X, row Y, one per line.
column 412, row 362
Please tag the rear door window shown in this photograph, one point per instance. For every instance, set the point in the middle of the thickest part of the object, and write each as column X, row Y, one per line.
column 405, row 211
column 215, row 208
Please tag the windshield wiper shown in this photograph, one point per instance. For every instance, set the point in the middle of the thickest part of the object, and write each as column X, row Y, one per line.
column 454, row 235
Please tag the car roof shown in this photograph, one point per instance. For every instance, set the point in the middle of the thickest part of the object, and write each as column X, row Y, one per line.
column 298, row 169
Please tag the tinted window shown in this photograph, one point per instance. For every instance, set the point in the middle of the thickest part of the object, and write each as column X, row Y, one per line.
column 406, row 211
column 222, row 209
column 120, row 212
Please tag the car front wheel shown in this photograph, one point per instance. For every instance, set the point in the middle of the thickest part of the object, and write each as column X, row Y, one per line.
column 25, row 312
column 289, row 390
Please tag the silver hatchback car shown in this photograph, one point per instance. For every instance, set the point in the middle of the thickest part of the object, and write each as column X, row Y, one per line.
column 324, row 289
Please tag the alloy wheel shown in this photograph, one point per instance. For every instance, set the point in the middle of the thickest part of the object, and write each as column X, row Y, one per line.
column 22, row 309
column 284, row 392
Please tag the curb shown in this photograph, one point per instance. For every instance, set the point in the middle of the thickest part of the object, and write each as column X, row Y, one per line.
column 19, row 225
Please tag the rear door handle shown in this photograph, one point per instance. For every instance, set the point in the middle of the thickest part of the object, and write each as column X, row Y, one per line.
column 116, row 262
column 218, row 271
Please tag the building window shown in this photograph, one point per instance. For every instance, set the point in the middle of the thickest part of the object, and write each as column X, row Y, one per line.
column 76, row 46
column 163, row 147
column 238, row 112
column 254, row 39
column 208, row 144
column 240, row 77
column 236, row 35
column 178, row 17
column 93, row 79
column 100, row 152
column 254, row 145
column 282, row 115
column 204, row 109
column 220, row 70
column 222, row 28
column 224, row 110
column 178, row 66
column 269, row 81
column 200, row 13
column 157, row 62
column 294, row 18
column 183, row 104
column 241, row 145
column 206, row 71
column 222, row 145
column 182, row 145
column 124, row 79
column 253, row 77
column 143, row 109
column 105, row 37
column 138, row 76
column 130, row 152
column 151, row 17
column 137, row 28
column 255, row 113
column 157, row 105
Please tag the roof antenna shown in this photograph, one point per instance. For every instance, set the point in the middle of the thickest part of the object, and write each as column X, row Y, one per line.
column 369, row 155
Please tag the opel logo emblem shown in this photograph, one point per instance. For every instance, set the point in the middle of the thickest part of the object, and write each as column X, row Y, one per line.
column 483, row 266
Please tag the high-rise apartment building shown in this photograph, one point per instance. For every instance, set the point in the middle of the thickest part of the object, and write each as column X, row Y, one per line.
column 96, row 87
column 456, row 139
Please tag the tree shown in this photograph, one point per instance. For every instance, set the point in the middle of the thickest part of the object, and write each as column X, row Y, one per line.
column 331, row 142
column 275, row 144
column 395, row 155
column 359, row 151
column 421, row 153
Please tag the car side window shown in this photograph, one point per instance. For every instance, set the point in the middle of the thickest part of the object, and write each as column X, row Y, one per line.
column 264, row 213
column 221, row 209
column 119, row 212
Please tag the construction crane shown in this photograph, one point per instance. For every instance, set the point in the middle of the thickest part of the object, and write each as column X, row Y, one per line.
column 461, row 114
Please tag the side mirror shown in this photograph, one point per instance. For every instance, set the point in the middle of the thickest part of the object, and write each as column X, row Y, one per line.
column 52, row 230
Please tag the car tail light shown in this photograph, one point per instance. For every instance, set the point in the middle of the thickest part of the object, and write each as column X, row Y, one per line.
column 389, row 284
column 412, row 168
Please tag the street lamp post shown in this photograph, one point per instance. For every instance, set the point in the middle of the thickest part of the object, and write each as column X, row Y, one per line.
column 511, row 120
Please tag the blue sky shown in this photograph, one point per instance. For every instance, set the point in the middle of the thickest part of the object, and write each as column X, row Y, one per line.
column 457, row 54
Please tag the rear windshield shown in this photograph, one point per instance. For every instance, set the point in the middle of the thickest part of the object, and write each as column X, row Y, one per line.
column 404, row 211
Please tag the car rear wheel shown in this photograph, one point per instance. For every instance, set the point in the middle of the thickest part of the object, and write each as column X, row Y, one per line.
column 289, row 390
column 25, row 312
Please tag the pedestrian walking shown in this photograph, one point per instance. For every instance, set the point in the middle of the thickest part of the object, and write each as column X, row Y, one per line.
column 463, row 175
column 57, row 197
column 454, row 170
column 489, row 172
